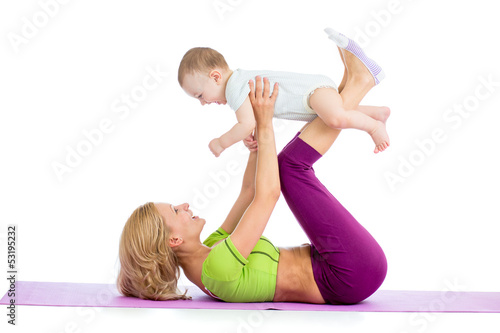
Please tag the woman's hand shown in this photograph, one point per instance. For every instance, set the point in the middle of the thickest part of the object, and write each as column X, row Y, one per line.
column 262, row 103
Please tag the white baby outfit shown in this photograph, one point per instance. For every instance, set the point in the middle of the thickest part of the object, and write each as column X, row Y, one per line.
column 294, row 91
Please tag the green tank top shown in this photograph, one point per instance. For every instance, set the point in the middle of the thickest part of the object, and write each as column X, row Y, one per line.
column 228, row 276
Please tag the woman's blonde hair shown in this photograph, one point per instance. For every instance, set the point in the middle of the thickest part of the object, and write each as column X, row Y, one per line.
column 149, row 267
column 202, row 60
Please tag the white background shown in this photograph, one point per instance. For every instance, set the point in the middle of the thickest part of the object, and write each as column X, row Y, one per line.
column 438, row 224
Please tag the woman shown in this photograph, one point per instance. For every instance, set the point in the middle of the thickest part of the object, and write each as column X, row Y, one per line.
column 342, row 265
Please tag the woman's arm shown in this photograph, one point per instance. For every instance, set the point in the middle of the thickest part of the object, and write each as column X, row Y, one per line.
column 267, row 183
column 246, row 196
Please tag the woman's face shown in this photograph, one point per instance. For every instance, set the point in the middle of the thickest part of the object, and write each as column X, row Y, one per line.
column 180, row 221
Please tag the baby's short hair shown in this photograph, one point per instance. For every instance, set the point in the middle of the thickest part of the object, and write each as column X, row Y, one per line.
column 200, row 59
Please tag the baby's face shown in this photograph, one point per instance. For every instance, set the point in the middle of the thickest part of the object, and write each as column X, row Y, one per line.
column 207, row 89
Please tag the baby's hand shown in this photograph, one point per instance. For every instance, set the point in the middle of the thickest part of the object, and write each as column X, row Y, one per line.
column 215, row 147
column 250, row 143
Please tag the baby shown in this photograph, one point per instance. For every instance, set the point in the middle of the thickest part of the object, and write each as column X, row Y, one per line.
column 205, row 75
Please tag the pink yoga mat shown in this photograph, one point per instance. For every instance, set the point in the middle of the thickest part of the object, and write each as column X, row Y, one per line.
column 106, row 295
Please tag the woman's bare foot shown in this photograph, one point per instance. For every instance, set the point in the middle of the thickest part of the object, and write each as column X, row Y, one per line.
column 346, row 74
column 349, row 45
column 359, row 82
column 384, row 114
column 356, row 68
column 380, row 137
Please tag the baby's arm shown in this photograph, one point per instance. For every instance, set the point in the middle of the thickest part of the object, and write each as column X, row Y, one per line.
column 244, row 127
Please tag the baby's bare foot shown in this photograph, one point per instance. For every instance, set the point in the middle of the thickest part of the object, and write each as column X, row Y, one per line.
column 380, row 137
column 375, row 112
column 383, row 113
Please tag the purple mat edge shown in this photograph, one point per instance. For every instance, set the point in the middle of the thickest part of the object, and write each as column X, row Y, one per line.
column 381, row 301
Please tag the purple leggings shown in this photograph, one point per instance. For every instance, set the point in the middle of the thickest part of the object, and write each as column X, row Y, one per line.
column 348, row 264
